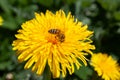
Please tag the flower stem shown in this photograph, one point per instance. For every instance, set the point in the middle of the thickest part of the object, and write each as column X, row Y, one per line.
column 95, row 76
column 47, row 75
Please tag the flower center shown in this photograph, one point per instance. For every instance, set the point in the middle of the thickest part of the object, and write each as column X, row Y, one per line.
column 56, row 36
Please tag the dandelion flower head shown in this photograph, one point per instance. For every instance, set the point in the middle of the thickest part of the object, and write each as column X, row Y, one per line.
column 106, row 66
column 54, row 39
column 1, row 20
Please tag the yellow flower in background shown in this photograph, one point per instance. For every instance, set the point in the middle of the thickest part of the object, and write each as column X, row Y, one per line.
column 54, row 39
column 1, row 20
column 106, row 66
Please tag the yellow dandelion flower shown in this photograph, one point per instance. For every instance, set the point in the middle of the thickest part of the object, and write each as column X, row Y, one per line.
column 1, row 20
column 106, row 66
column 55, row 39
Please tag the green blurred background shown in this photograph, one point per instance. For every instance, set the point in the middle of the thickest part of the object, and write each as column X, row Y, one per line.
column 102, row 16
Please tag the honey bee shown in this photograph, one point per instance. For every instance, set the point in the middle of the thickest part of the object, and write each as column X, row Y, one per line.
column 54, row 31
column 58, row 34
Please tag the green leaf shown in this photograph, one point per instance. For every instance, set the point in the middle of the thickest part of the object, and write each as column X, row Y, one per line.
column 23, row 2
column 10, row 24
column 69, row 1
column 46, row 2
column 5, row 6
column 57, row 2
column 83, row 73
column 110, row 5
column 117, row 15
column 4, row 65
column 86, row 3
